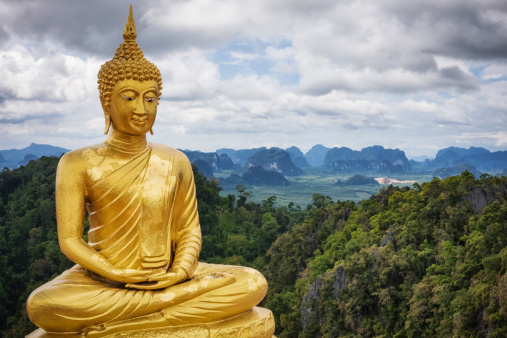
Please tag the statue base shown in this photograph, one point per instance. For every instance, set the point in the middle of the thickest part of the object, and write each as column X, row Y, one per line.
column 256, row 323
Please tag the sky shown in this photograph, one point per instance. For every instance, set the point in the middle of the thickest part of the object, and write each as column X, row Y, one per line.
column 417, row 75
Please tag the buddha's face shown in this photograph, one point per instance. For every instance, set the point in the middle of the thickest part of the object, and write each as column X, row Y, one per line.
column 133, row 106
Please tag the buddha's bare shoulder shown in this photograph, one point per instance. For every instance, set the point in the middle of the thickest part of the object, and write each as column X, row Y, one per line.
column 181, row 164
column 179, row 156
column 90, row 155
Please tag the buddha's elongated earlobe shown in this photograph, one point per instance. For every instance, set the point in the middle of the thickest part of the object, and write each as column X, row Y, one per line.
column 108, row 123
column 151, row 130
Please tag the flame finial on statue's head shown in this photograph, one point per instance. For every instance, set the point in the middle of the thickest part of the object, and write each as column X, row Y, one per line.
column 129, row 34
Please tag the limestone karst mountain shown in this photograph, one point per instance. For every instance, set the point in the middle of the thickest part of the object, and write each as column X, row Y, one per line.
column 370, row 159
column 274, row 159
column 216, row 161
column 297, row 157
column 257, row 176
column 482, row 159
column 316, row 155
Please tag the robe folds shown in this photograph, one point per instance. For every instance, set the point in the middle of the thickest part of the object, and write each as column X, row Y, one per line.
column 144, row 215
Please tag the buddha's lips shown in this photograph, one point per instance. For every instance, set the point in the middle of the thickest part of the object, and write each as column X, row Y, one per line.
column 139, row 121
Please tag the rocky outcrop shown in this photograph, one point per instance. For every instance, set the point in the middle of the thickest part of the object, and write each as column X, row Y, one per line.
column 388, row 238
column 308, row 303
column 480, row 197
column 340, row 281
column 308, row 308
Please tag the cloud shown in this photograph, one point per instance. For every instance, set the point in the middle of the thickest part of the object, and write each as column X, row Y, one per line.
column 187, row 75
column 53, row 77
column 495, row 71
column 462, row 29
column 418, row 74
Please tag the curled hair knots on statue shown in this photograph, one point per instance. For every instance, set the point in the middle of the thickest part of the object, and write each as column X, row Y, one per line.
column 128, row 63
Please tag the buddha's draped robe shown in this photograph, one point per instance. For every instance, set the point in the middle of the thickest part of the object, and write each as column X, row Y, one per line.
column 144, row 215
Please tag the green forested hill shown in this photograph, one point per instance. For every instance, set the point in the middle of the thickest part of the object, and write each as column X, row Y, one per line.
column 406, row 263
column 428, row 261
column 29, row 251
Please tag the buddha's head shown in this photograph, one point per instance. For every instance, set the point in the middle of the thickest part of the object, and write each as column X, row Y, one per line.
column 129, row 86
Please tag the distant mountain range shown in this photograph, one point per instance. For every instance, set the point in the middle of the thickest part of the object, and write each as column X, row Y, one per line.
column 14, row 158
column 289, row 161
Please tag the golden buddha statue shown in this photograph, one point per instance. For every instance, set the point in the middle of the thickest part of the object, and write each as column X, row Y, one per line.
column 139, row 271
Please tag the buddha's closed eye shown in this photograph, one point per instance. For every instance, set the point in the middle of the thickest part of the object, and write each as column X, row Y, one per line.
column 128, row 98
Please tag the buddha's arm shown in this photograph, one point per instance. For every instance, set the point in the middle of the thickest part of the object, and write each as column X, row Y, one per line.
column 70, row 211
column 188, row 231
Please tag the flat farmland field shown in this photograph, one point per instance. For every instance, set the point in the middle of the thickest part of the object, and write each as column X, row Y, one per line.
column 321, row 181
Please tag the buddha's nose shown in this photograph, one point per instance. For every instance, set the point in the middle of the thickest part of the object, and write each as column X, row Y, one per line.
column 140, row 108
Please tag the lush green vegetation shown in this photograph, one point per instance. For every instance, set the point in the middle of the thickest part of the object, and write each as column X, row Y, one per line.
column 426, row 261
column 29, row 251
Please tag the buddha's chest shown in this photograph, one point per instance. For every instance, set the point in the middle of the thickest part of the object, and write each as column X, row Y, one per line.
column 131, row 208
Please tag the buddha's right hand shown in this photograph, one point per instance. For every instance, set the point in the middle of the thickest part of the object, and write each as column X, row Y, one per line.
column 131, row 276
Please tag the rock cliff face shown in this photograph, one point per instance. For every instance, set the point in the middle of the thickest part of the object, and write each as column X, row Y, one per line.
column 274, row 159
column 308, row 303
column 479, row 197
column 308, row 308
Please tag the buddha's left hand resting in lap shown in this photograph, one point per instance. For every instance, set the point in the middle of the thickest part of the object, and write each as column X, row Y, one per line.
column 144, row 239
